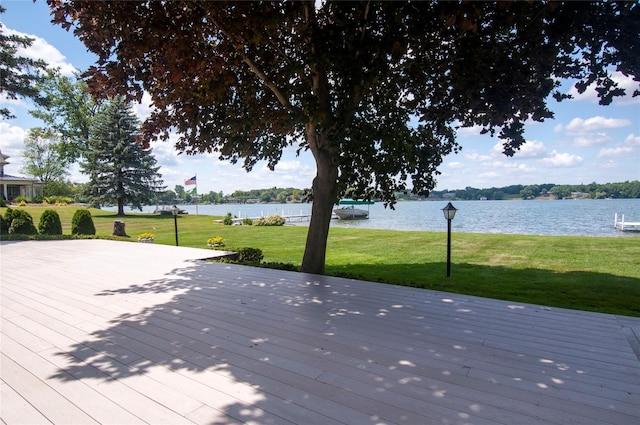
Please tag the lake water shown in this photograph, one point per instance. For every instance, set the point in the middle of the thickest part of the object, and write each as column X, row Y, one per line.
column 537, row 217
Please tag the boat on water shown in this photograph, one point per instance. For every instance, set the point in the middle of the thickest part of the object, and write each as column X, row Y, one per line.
column 348, row 211
column 165, row 210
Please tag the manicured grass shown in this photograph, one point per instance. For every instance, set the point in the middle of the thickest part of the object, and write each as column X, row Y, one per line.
column 586, row 273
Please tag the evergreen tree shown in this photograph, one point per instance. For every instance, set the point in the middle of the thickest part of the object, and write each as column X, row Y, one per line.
column 19, row 75
column 120, row 169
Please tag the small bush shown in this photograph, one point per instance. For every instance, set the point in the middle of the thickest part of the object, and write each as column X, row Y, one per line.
column 249, row 256
column 20, row 199
column 50, row 223
column 59, row 200
column 228, row 220
column 280, row 266
column 247, row 221
column 82, row 223
column 21, row 223
column 3, row 203
column 272, row 220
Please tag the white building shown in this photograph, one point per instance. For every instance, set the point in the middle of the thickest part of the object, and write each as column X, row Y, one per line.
column 12, row 186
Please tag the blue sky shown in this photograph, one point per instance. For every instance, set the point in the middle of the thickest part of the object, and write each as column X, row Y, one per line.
column 584, row 143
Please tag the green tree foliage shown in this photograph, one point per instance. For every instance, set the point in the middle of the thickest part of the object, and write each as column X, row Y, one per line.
column 66, row 110
column 63, row 189
column 19, row 75
column 179, row 190
column 623, row 190
column 120, row 169
column 50, row 223
column 373, row 89
column 82, row 223
column 19, row 222
column 42, row 158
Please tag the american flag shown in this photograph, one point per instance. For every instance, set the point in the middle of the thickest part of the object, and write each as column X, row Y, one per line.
column 192, row 180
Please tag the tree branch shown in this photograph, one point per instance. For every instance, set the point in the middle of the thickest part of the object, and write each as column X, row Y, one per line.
column 239, row 47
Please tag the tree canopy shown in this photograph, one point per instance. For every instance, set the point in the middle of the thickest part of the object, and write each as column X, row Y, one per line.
column 374, row 90
column 67, row 110
column 120, row 169
column 42, row 158
column 19, row 75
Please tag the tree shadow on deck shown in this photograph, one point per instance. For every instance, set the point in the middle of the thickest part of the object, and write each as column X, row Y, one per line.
column 283, row 347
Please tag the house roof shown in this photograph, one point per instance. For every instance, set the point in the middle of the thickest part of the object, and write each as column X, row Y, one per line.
column 9, row 178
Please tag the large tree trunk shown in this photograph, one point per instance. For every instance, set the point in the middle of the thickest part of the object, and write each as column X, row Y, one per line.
column 120, row 206
column 325, row 192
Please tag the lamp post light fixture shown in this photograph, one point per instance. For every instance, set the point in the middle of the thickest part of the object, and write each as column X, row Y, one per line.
column 174, row 211
column 449, row 212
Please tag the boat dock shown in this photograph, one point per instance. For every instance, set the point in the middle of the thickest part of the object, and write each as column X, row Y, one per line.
column 289, row 218
column 625, row 226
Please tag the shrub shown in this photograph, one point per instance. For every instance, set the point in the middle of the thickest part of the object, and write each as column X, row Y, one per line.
column 21, row 223
column 228, row 220
column 280, row 266
column 6, row 221
column 250, row 256
column 247, row 221
column 50, row 223
column 20, row 199
column 59, row 200
column 3, row 203
column 272, row 220
column 82, row 223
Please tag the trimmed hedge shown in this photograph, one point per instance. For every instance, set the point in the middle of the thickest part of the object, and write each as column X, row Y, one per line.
column 50, row 223
column 18, row 222
column 82, row 223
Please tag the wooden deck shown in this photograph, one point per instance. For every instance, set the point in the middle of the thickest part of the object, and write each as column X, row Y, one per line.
column 109, row 332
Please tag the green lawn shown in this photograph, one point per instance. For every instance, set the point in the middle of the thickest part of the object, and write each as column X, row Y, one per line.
column 587, row 273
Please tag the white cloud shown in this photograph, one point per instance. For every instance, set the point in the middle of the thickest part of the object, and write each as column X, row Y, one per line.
column 12, row 138
column 557, row 159
column 591, row 139
column 615, row 152
column 624, row 82
column 455, row 165
column 531, row 149
column 41, row 49
column 143, row 109
column 476, row 157
column 595, row 123
column 632, row 140
column 469, row 131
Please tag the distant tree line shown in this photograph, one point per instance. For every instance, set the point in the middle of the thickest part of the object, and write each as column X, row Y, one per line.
column 262, row 196
column 548, row 190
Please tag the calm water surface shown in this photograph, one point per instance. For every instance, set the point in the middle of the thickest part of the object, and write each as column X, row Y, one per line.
column 566, row 217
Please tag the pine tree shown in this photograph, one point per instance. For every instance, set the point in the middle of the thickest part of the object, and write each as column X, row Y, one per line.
column 120, row 169
column 19, row 75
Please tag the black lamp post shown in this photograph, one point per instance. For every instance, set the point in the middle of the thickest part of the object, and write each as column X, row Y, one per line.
column 174, row 211
column 449, row 212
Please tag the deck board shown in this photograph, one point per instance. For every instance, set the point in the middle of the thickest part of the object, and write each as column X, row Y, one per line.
column 114, row 332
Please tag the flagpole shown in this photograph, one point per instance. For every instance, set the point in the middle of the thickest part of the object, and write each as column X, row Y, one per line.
column 197, row 198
